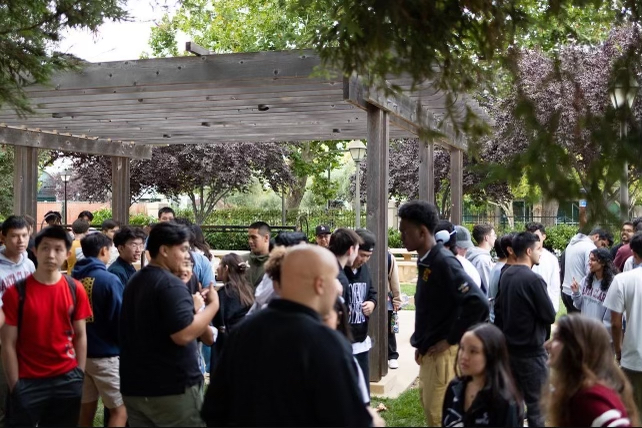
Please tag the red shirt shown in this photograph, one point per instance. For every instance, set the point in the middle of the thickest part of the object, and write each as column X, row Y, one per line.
column 597, row 406
column 45, row 341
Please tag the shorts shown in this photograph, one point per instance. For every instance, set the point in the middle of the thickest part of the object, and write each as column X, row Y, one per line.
column 102, row 379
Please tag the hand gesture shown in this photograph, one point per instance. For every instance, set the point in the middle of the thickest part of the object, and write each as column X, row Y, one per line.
column 210, row 295
column 367, row 308
column 575, row 287
column 199, row 302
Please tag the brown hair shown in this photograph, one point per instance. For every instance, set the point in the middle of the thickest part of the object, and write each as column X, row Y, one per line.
column 586, row 359
column 273, row 263
column 237, row 283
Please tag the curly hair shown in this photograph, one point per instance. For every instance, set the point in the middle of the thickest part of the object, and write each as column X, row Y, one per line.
column 273, row 263
column 603, row 256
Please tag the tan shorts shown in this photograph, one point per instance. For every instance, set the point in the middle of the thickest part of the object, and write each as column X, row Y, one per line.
column 102, row 379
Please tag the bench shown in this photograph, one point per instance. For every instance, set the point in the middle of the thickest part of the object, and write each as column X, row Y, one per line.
column 406, row 255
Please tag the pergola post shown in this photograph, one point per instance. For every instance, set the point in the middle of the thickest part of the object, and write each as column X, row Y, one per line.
column 426, row 171
column 377, row 223
column 120, row 194
column 456, row 185
column 25, row 181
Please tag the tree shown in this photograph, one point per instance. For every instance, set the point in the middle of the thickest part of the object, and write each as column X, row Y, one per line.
column 559, row 127
column 206, row 173
column 403, row 179
column 28, row 30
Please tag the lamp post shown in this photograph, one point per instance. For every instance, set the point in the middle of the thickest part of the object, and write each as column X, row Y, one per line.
column 623, row 93
column 358, row 151
column 66, row 175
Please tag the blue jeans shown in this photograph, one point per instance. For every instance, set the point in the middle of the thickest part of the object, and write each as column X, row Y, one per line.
column 206, row 351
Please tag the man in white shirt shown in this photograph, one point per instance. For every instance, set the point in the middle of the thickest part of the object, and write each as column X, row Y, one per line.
column 625, row 295
column 548, row 267
column 447, row 234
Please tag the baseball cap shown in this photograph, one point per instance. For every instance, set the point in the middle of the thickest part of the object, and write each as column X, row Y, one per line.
column 463, row 237
column 322, row 229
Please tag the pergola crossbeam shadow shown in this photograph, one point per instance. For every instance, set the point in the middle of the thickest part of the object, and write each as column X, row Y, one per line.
column 252, row 97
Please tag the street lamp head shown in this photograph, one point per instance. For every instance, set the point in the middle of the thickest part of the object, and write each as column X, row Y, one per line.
column 624, row 90
column 65, row 176
column 357, row 150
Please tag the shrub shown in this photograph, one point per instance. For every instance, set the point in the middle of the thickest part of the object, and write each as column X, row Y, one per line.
column 141, row 220
column 394, row 238
column 100, row 216
column 558, row 237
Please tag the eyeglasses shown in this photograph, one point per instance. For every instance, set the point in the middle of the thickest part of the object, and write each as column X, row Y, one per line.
column 136, row 246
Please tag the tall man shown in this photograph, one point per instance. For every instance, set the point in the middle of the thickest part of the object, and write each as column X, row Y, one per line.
column 258, row 235
column 288, row 340
column 548, row 267
column 524, row 312
column 14, row 266
column 344, row 244
column 105, row 292
column 45, row 371
column 129, row 241
column 447, row 301
column 625, row 295
column 479, row 256
column 160, row 379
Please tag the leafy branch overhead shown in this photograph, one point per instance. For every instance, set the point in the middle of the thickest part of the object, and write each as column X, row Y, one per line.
column 29, row 30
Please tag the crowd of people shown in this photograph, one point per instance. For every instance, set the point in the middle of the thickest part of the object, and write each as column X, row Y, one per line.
column 166, row 334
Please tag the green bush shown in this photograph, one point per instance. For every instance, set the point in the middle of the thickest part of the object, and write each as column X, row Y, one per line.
column 141, row 220
column 394, row 238
column 233, row 241
column 100, row 216
column 558, row 237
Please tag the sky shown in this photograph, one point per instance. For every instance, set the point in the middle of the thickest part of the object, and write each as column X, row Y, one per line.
column 119, row 41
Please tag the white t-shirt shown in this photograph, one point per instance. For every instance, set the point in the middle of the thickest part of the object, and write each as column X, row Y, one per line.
column 470, row 270
column 549, row 269
column 629, row 264
column 625, row 296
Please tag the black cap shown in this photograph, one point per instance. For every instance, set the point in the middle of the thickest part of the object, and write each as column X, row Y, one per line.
column 322, row 229
column 368, row 239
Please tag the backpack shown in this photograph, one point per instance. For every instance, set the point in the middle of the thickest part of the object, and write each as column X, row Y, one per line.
column 21, row 286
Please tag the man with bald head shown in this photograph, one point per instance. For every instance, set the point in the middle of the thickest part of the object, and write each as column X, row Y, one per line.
column 283, row 366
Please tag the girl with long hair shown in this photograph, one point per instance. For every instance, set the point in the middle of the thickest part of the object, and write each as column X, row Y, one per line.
column 587, row 388
column 589, row 296
column 484, row 392
column 235, row 298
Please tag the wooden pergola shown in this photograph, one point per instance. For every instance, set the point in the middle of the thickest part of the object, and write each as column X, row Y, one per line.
column 121, row 109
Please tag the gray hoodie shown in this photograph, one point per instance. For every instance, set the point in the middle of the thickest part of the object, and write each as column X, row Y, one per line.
column 11, row 272
column 576, row 260
column 482, row 261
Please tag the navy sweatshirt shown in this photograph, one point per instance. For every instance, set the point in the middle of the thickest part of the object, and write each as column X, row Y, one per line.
column 358, row 291
column 448, row 301
column 105, row 293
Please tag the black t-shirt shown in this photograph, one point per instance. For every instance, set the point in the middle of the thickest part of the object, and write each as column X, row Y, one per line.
column 156, row 304
column 283, row 367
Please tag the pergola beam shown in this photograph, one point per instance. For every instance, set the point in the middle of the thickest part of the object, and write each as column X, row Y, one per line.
column 404, row 112
column 38, row 139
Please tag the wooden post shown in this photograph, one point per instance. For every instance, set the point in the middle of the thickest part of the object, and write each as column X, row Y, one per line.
column 456, row 185
column 120, row 192
column 377, row 223
column 426, row 171
column 25, row 181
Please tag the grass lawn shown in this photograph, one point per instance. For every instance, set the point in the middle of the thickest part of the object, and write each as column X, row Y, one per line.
column 403, row 411
column 408, row 288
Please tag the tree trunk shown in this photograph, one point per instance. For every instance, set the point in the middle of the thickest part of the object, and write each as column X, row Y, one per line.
column 293, row 200
column 510, row 213
column 549, row 212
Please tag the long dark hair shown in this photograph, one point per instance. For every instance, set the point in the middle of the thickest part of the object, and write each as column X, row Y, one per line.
column 499, row 379
column 237, row 284
column 586, row 359
column 199, row 241
column 603, row 256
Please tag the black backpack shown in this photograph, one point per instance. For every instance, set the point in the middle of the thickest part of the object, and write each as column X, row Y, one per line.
column 21, row 286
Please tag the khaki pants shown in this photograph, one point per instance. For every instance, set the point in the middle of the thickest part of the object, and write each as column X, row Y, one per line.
column 435, row 372
column 182, row 410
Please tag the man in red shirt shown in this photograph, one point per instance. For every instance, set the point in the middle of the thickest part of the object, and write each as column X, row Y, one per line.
column 44, row 341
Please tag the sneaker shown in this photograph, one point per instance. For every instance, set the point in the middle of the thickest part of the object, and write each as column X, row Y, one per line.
column 393, row 364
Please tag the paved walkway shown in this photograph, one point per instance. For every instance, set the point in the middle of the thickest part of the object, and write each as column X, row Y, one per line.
column 408, row 370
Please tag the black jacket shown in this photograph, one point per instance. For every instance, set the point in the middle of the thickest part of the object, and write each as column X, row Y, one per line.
column 358, row 291
column 483, row 412
column 448, row 301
